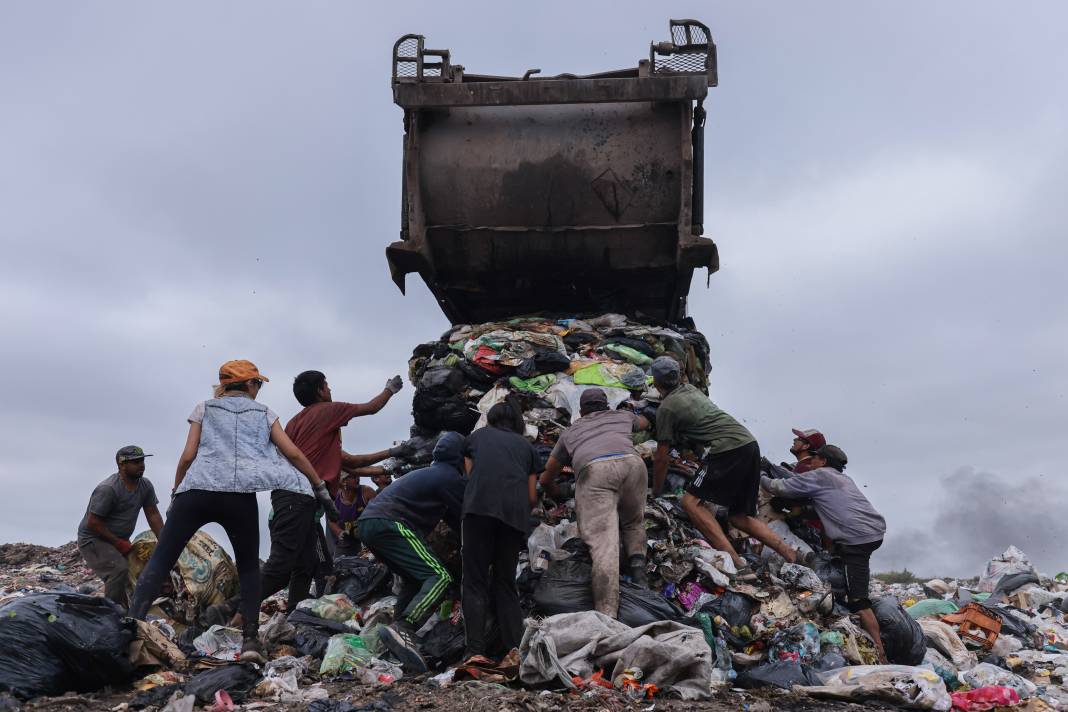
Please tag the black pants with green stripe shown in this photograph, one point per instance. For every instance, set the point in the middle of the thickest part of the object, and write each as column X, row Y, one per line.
column 408, row 556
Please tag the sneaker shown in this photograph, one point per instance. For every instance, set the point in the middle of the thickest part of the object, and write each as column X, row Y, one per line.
column 401, row 642
column 252, row 652
column 637, row 571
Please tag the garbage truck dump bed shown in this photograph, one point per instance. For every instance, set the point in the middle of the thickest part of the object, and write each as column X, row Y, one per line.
column 530, row 194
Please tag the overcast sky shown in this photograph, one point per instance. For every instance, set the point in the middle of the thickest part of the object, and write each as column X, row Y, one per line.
column 182, row 184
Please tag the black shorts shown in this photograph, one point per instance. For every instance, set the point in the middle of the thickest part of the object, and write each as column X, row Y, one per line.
column 731, row 479
column 856, row 560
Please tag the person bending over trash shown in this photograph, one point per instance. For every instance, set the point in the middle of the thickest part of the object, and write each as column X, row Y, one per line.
column 235, row 448
column 294, row 524
column 501, row 492
column 105, row 530
column 350, row 501
column 611, row 480
column 849, row 519
column 395, row 525
column 730, row 470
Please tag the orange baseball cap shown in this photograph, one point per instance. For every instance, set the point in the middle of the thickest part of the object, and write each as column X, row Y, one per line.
column 238, row 371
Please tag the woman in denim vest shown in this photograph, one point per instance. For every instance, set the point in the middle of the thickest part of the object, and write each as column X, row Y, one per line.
column 235, row 448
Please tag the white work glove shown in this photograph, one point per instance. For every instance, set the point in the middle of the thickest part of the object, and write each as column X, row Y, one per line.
column 394, row 385
column 322, row 496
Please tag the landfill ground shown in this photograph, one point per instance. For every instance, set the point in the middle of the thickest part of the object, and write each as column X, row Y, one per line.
column 30, row 566
column 415, row 695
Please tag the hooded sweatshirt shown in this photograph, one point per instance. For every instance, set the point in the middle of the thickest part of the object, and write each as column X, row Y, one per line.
column 422, row 498
column 847, row 515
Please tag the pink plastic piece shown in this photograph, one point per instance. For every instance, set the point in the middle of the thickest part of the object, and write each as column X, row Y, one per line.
column 223, row 703
column 985, row 698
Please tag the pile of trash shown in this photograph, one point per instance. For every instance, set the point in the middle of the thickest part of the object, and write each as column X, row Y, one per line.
column 694, row 633
column 545, row 364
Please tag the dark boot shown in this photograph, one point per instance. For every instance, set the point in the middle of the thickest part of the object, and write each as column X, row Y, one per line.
column 636, row 564
column 251, row 648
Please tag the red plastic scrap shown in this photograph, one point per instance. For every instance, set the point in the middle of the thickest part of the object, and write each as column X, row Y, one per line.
column 985, row 698
column 597, row 679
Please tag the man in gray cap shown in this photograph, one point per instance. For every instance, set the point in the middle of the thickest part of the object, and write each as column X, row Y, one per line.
column 105, row 530
column 730, row 473
column 611, row 484
column 851, row 522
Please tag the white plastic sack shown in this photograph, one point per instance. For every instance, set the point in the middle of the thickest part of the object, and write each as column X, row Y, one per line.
column 910, row 687
column 493, row 396
column 945, row 640
column 566, row 394
column 713, row 563
column 786, row 534
column 985, row 674
column 280, row 682
column 276, row 630
column 801, row 577
column 1041, row 597
column 1012, row 561
column 546, row 543
column 219, row 642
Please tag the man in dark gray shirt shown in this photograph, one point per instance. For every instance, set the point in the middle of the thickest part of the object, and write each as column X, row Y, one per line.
column 851, row 522
column 105, row 530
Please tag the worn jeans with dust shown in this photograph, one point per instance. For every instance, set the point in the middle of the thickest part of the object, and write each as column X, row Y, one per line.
column 610, row 498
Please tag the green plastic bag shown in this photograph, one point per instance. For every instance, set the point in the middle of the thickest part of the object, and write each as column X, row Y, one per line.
column 596, row 375
column 535, row 384
column 931, row 607
column 628, row 354
column 345, row 652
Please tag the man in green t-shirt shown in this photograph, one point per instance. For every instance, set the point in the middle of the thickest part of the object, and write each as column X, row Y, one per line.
column 730, row 456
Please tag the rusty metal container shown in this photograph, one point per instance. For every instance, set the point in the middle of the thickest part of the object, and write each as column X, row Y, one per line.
column 547, row 194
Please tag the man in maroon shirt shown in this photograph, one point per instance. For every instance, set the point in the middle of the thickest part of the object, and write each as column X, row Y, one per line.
column 316, row 431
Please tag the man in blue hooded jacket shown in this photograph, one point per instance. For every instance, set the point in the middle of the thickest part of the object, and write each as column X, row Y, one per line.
column 394, row 526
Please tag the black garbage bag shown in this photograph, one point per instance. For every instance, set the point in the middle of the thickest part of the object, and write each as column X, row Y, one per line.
column 576, row 340
column 566, row 587
column 186, row 639
column 444, row 644
column 830, row 659
column 154, row 697
column 358, row 578
column 1010, row 583
column 736, row 609
column 431, row 349
column 778, row 673
column 543, row 361
column 638, row 606
column 829, row 568
column 436, row 412
column 903, row 638
column 1013, row 621
column 480, row 378
column 51, row 643
column 237, row 679
column 442, row 380
column 313, row 633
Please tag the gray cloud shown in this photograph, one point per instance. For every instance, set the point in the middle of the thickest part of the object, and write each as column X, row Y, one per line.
column 184, row 185
column 978, row 515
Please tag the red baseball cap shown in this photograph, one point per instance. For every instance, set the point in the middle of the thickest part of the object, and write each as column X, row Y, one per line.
column 814, row 438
